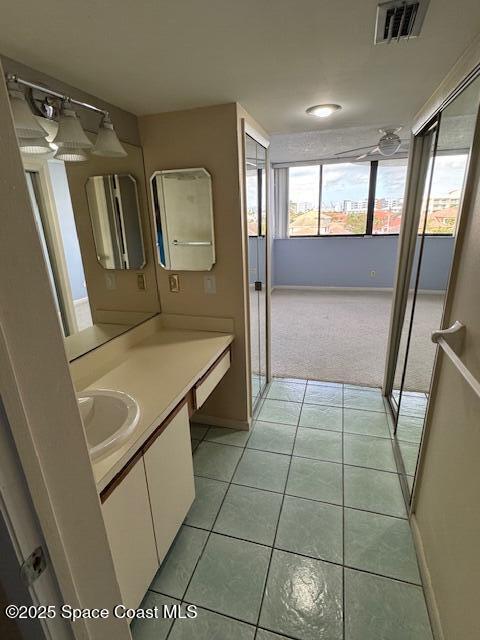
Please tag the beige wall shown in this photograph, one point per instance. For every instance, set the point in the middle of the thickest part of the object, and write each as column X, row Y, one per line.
column 447, row 494
column 208, row 137
column 126, row 296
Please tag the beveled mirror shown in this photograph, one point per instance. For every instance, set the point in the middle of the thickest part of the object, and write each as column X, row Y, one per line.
column 116, row 223
column 183, row 210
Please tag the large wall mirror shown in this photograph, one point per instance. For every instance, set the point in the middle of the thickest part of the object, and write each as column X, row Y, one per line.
column 92, row 219
column 116, row 223
column 183, row 210
column 444, row 148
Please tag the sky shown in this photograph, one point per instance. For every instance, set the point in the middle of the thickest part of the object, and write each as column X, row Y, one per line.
column 349, row 181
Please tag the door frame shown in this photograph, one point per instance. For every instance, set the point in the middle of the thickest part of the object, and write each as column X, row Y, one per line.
column 248, row 129
column 41, row 408
column 54, row 236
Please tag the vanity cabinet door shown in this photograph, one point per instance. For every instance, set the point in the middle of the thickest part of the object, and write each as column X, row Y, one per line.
column 169, row 467
column 128, row 521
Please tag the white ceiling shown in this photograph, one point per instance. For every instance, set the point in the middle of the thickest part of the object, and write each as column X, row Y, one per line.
column 275, row 57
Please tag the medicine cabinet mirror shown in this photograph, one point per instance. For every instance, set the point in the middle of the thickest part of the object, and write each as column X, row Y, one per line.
column 182, row 204
column 116, row 223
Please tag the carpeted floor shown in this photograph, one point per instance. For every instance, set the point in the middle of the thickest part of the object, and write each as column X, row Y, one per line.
column 342, row 336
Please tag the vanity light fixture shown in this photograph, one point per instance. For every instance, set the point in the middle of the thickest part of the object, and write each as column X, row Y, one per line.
column 34, row 146
column 323, row 110
column 71, row 154
column 25, row 124
column 107, row 143
column 70, row 133
column 67, row 136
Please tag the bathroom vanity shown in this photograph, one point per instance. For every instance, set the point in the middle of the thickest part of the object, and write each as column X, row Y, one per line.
column 146, row 484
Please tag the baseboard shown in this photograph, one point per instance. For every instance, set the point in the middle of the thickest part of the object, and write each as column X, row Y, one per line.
column 243, row 425
column 301, row 287
column 427, row 581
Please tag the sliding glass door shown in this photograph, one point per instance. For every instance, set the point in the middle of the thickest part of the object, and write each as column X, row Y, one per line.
column 255, row 170
column 444, row 155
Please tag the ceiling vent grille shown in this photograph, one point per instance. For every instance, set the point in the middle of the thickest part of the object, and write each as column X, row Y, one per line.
column 399, row 20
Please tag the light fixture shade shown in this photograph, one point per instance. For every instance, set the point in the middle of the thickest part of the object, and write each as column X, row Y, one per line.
column 25, row 123
column 107, row 143
column 67, row 154
column 70, row 133
column 50, row 126
column 34, row 146
column 323, row 110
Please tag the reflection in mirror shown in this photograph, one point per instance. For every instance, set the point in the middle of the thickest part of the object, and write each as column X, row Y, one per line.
column 116, row 223
column 182, row 201
column 50, row 198
column 443, row 190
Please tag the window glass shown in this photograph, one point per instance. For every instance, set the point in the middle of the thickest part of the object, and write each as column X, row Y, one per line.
column 389, row 192
column 303, row 200
column 344, row 198
column 444, row 202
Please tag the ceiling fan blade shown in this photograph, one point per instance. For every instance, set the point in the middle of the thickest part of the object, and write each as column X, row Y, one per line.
column 364, row 155
column 352, row 150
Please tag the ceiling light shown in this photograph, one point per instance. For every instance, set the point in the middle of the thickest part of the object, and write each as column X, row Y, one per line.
column 70, row 133
column 69, row 154
column 35, row 146
column 25, row 124
column 323, row 110
column 107, row 143
column 50, row 126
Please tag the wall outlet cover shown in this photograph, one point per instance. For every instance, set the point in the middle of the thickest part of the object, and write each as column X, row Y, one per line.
column 110, row 281
column 210, row 284
column 174, row 283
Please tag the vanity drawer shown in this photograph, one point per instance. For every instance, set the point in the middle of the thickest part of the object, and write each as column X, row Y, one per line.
column 209, row 381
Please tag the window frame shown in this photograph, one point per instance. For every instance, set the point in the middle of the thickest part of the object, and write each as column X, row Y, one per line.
column 374, row 164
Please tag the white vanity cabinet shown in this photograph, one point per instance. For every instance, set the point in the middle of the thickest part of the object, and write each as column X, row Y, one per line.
column 169, row 469
column 128, row 521
column 147, row 503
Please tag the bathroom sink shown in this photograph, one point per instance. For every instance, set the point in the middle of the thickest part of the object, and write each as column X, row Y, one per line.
column 109, row 417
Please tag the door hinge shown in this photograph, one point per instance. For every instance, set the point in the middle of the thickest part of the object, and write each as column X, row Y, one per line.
column 258, row 285
column 33, row 567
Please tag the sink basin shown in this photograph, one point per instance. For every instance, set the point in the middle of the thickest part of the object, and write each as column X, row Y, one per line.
column 109, row 417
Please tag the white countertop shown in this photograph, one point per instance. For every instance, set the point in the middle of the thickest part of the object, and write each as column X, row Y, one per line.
column 158, row 372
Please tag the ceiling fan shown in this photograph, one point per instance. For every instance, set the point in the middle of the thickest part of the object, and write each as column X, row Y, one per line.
column 389, row 144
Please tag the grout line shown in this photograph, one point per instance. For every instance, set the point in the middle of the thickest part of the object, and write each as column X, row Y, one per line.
column 292, row 495
column 279, row 514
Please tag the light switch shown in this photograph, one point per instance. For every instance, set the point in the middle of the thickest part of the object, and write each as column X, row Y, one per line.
column 209, row 284
column 110, row 281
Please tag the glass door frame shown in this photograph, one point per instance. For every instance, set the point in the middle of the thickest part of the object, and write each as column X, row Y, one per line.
column 416, row 181
column 248, row 130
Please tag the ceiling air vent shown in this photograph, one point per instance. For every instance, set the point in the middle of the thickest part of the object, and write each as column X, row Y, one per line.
column 399, row 19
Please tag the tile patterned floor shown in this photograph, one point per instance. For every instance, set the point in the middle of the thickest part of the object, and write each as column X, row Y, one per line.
column 298, row 529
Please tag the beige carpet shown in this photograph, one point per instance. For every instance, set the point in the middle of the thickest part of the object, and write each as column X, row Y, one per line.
column 342, row 336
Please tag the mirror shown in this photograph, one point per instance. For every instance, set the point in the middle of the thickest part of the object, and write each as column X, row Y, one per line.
column 443, row 168
column 115, row 216
column 73, row 207
column 182, row 204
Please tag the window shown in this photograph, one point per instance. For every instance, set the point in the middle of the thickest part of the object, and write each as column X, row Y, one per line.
column 344, row 198
column 444, row 201
column 303, row 200
column 389, row 192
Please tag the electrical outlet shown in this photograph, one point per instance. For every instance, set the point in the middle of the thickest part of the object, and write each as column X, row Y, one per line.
column 141, row 281
column 209, row 284
column 174, row 282
column 373, row 274
column 110, row 281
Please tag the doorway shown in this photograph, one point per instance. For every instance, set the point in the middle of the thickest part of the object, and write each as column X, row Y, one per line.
column 256, row 206
column 443, row 149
